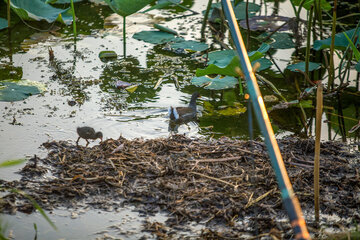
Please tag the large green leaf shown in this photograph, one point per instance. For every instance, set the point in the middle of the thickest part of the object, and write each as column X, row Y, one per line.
column 38, row 10
column 325, row 6
column 16, row 91
column 264, row 63
column 225, row 62
column 216, row 83
column 3, row 23
column 127, row 7
column 162, row 4
column 279, row 40
column 155, row 37
column 301, row 66
column 60, row 1
column 191, row 45
column 240, row 10
column 341, row 41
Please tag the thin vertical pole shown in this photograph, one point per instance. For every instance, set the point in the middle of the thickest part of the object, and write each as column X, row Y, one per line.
column 290, row 201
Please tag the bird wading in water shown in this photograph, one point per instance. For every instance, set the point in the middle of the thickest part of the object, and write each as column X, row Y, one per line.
column 184, row 114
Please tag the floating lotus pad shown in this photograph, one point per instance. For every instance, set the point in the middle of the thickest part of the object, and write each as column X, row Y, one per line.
column 155, row 37
column 191, row 45
column 280, row 40
column 301, row 66
column 216, row 83
column 11, row 91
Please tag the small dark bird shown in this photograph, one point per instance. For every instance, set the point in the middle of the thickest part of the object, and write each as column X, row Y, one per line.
column 88, row 133
column 182, row 114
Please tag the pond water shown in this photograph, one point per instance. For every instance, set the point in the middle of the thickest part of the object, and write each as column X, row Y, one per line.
column 81, row 91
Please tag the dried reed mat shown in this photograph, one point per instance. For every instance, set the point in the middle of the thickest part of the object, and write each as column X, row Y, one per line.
column 214, row 182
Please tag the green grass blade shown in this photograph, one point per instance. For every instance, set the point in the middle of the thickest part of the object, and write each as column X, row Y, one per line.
column 36, row 205
column 355, row 50
column 11, row 163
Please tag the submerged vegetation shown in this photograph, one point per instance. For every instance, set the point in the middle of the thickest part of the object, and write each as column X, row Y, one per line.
column 307, row 66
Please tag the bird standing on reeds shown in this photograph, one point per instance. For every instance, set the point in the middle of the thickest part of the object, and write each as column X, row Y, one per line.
column 88, row 133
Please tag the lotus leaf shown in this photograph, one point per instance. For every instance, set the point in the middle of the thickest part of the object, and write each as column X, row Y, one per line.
column 127, row 7
column 11, row 91
column 267, row 23
column 280, row 40
column 38, row 10
column 155, row 37
column 324, row 5
column 61, row 1
column 163, row 4
column 225, row 62
column 301, row 66
column 236, row 109
column 240, row 10
column 3, row 23
column 341, row 41
column 264, row 64
column 216, row 83
column 191, row 45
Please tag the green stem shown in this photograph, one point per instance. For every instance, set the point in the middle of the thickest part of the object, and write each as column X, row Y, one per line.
column 74, row 18
column 332, row 48
column 307, row 57
column 8, row 14
column 124, row 36
column 205, row 20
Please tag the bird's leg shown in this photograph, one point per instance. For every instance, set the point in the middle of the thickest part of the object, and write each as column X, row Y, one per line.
column 87, row 142
column 77, row 141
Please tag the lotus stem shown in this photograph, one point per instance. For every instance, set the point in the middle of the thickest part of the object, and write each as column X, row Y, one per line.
column 74, row 18
column 8, row 13
column 307, row 57
column 124, row 37
column 205, row 20
column 332, row 48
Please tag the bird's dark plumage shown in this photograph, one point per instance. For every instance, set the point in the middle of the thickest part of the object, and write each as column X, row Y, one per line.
column 184, row 113
column 88, row 133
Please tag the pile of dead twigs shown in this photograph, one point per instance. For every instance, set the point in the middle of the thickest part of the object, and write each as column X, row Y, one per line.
column 215, row 182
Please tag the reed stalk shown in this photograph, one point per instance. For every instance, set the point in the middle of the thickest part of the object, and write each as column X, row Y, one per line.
column 332, row 48
column 319, row 109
